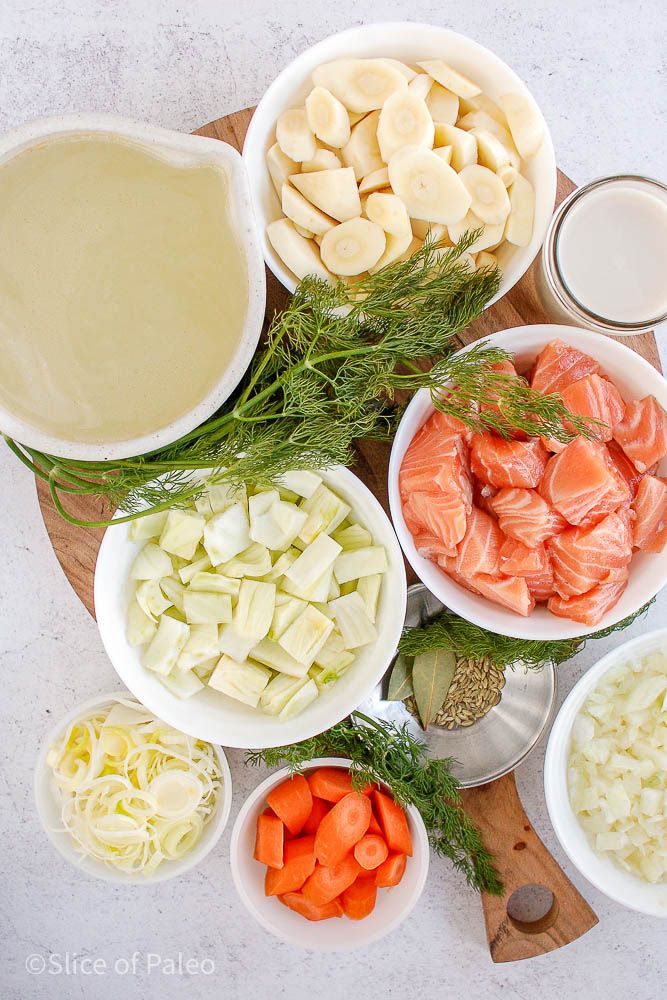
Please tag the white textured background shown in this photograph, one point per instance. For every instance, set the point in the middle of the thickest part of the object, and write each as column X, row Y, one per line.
column 597, row 68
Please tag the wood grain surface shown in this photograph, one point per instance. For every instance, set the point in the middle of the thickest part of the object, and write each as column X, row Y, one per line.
column 496, row 807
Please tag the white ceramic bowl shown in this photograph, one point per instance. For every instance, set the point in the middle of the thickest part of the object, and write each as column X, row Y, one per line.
column 393, row 905
column 182, row 150
column 47, row 801
column 217, row 718
column 602, row 872
column 635, row 378
column 408, row 41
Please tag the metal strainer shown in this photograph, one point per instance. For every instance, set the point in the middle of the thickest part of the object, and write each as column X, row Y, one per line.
column 496, row 743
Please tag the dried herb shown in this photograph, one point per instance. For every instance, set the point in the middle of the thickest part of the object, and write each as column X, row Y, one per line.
column 432, row 674
column 400, row 681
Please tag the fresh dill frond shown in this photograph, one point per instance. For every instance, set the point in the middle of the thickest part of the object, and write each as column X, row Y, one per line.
column 469, row 641
column 337, row 363
column 386, row 752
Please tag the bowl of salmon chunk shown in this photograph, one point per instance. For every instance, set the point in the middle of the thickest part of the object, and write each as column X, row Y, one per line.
column 530, row 537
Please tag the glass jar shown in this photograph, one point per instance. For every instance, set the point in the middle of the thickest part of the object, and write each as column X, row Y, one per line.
column 603, row 265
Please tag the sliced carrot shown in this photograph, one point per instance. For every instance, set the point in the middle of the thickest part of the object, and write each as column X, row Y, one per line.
column 332, row 783
column 311, row 911
column 391, row 871
column 370, row 851
column 374, row 826
column 299, row 865
column 269, row 840
column 393, row 821
column 327, row 883
column 359, row 899
column 341, row 828
column 292, row 802
column 317, row 814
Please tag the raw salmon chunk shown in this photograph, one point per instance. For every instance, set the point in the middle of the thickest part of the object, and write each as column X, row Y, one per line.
column 650, row 509
column 525, row 516
column 559, row 365
column 589, row 608
column 479, row 551
column 510, row 591
column 441, row 514
column 596, row 397
column 541, row 585
column 438, row 440
column 642, row 433
column 584, row 557
column 624, row 466
column 582, row 484
column 448, row 563
column 507, row 463
column 516, row 559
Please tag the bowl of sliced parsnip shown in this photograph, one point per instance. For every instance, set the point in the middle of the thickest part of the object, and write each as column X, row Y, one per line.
column 381, row 136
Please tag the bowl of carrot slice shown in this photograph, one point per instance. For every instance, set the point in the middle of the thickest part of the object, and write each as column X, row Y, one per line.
column 324, row 866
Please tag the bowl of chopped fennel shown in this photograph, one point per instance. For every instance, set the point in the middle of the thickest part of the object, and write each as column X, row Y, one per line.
column 126, row 798
column 260, row 620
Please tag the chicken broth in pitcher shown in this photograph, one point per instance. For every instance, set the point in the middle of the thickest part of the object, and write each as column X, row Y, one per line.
column 123, row 287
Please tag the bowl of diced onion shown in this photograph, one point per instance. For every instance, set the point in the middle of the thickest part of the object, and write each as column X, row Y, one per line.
column 605, row 774
column 311, row 213
column 259, row 616
column 125, row 797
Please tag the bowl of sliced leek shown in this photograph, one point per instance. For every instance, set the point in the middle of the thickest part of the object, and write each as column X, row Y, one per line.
column 260, row 615
column 381, row 136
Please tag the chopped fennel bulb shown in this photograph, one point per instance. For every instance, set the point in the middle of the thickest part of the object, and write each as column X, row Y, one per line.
column 263, row 594
column 182, row 533
column 134, row 793
column 617, row 767
column 243, row 681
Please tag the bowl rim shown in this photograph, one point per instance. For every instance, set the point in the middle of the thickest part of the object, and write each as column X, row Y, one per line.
column 242, row 818
column 97, row 869
column 555, row 783
column 295, row 730
column 255, row 135
column 446, row 590
column 181, row 149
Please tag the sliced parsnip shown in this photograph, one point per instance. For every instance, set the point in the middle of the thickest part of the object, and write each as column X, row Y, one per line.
column 450, row 78
column 482, row 103
column 280, row 167
column 464, row 147
column 519, row 228
column 352, row 247
column 442, row 105
column 324, row 159
column 434, row 231
column 428, row 186
column 303, row 213
column 480, row 119
column 485, row 259
column 360, row 84
column 524, row 122
column 306, row 233
column 404, row 121
column 362, row 152
column 490, row 202
column 395, row 248
column 298, row 254
column 420, row 85
column 374, row 181
column 333, row 191
column 403, row 68
column 444, row 152
column 415, row 245
column 491, row 152
column 390, row 213
column 293, row 135
column 327, row 117
column 487, row 238
column 507, row 174
column 356, row 116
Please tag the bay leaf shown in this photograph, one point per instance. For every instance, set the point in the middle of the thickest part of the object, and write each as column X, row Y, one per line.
column 432, row 674
column 400, row 682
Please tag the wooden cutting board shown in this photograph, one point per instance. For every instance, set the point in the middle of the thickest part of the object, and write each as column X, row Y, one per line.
column 496, row 807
